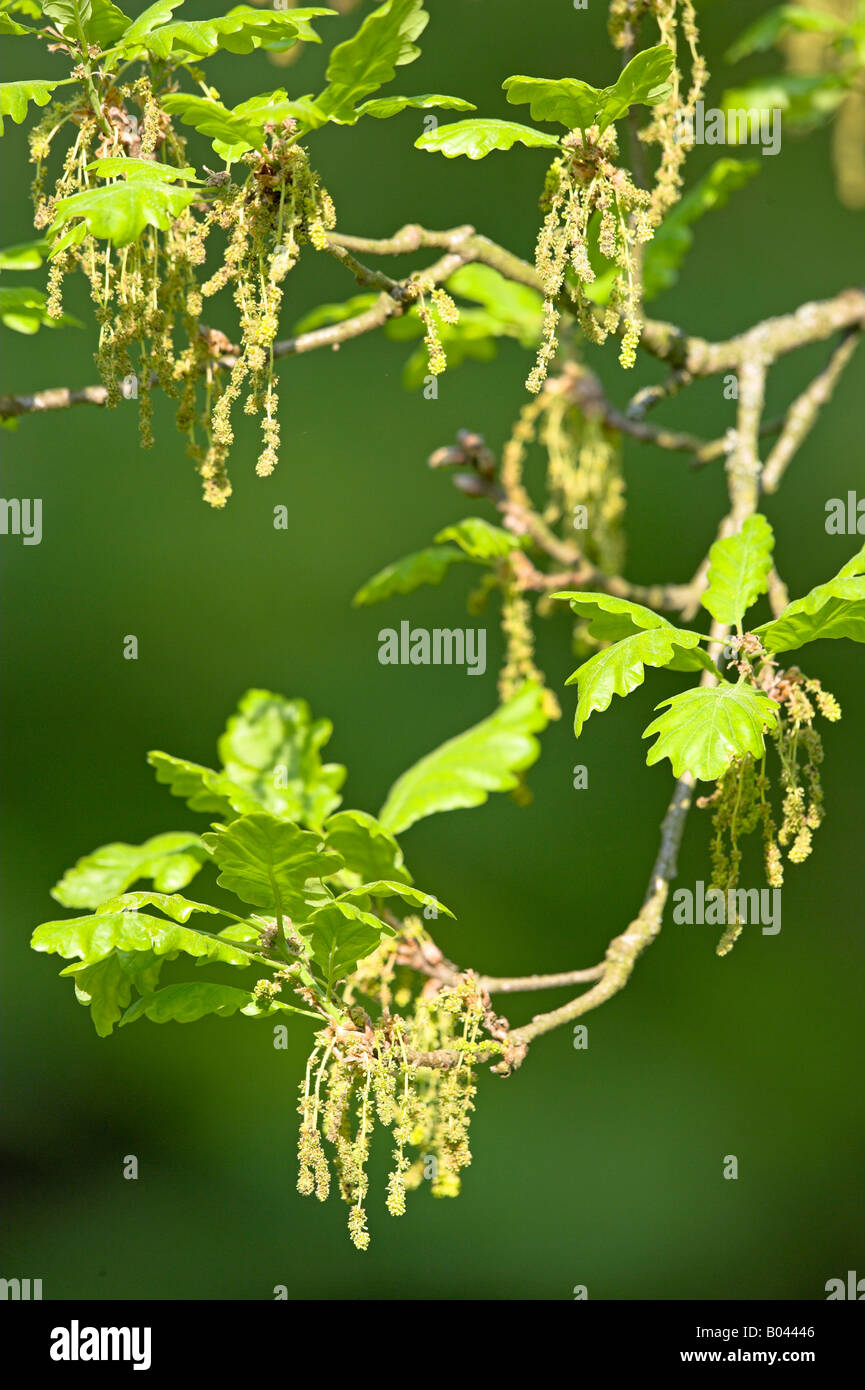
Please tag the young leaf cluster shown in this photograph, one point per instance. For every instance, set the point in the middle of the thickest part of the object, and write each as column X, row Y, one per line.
column 315, row 891
column 129, row 210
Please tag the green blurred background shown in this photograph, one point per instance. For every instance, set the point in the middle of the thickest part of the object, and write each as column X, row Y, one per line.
column 601, row 1167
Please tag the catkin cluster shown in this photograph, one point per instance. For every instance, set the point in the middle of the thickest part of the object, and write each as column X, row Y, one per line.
column 597, row 212
column 800, row 752
column 434, row 311
column 585, row 483
column 741, row 805
column 149, row 295
column 379, row 1076
column 589, row 199
column 742, row 797
column 584, row 507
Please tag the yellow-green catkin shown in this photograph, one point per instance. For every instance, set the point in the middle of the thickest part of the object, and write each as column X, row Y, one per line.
column 738, row 811
column 585, row 482
column 433, row 311
column 589, row 181
column 518, row 665
column 585, row 492
column 313, row 1169
column 149, row 296
column 800, row 750
column 742, row 797
column 357, row 1079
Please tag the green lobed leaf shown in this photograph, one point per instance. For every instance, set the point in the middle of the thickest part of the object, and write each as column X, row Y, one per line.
column 119, row 212
column 611, row 619
column 739, row 567
column 620, row 668
column 277, row 106
column 95, row 936
column 244, row 933
column 340, row 935
column 704, row 729
column 257, row 1008
column 383, row 107
column 370, row 58
column 366, row 848
column 174, row 905
column 15, row 96
column 271, row 749
column 105, row 986
column 479, row 539
column 230, row 134
column 643, row 82
column 97, row 21
column 577, row 105
column 186, row 1003
column 147, row 21
column 241, row 30
column 404, row 576
column 233, row 132
column 171, row 860
column 302, row 18
column 569, row 101
column 834, row 609
column 120, row 166
column 476, row 139
column 200, row 787
column 266, row 862
column 384, row 888
column 463, row 771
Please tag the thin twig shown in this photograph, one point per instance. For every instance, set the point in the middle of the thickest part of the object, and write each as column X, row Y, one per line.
column 743, row 481
column 623, row 951
column 649, row 396
column 803, row 413
column 428, row 960
column 585, row 389
column 671, row 598
column 689, row 356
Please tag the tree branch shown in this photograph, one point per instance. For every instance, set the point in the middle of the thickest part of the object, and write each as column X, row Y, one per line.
column 749, row 354
column 671, row 598
column 743, row 481
column 584, row 388
column 689, row 356
column 434, row 965
column 623, row 951
column 802, row 415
